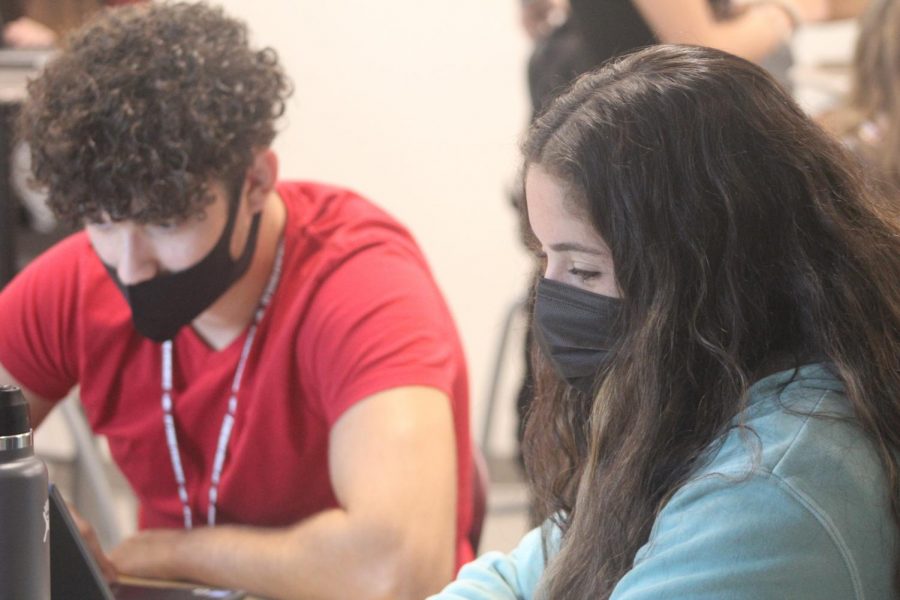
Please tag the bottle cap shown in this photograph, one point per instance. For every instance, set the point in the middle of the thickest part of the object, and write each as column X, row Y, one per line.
column 14, row 417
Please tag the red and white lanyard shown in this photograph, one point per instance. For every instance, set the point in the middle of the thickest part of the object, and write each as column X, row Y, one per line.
column 227, row 421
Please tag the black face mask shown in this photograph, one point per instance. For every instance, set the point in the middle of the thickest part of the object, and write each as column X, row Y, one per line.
column 575, row 329
column 163, row 305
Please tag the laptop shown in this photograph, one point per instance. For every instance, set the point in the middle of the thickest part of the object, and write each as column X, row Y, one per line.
column 74, row 574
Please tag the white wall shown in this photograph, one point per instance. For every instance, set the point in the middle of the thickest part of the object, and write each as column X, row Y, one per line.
column 418, row 105
column 822, row 55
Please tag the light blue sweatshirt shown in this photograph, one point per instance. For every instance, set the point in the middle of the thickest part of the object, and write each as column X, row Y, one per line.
column 799, row 511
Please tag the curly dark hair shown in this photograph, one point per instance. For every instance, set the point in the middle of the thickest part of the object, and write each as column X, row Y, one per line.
column 144, row 107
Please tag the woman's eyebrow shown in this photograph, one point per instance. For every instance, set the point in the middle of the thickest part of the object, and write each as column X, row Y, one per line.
column 576, row 247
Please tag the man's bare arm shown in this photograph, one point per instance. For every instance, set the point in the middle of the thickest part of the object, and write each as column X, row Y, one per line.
column 392, row 460
column 756, row 30
column 846, row 9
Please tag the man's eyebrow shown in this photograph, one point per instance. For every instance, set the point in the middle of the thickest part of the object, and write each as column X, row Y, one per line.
column 576, row 247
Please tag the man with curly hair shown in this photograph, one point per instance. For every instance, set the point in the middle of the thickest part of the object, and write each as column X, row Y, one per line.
column 272, row 363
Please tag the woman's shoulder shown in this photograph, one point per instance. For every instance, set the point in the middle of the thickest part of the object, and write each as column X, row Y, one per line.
column 796, row 423
column 796, row 481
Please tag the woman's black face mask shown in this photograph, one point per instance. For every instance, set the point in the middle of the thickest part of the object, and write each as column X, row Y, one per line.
column 575, row 329
column 161, row 306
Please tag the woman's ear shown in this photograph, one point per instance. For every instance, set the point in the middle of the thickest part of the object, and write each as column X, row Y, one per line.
column 261, row 178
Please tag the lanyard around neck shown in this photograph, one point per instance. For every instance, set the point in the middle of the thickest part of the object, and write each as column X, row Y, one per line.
column 227, row 421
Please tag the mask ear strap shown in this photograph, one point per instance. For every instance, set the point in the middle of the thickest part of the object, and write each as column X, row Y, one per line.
column 234, row 201
column 250, row 244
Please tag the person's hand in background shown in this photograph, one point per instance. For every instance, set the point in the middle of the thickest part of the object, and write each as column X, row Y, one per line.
column 28, row 33
column 540, row 17
column 93, row 543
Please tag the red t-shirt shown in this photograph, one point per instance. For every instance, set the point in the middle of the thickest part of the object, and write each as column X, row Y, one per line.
column 356, row 312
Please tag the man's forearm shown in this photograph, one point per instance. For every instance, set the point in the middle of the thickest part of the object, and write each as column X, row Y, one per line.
column 393, row 469
column 328, row 556
column 846, row 9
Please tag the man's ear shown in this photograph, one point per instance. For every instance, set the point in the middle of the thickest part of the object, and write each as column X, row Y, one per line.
column 261, row 178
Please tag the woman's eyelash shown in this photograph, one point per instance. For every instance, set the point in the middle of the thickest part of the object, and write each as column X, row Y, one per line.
column 584, row 275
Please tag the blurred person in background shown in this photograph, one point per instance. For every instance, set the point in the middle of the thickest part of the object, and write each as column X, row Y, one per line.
column 869, row 120
column 574, row 36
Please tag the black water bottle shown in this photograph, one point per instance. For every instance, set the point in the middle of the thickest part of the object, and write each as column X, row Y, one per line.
column 24, row 511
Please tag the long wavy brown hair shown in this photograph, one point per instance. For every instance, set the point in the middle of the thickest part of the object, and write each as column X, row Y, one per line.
column 869, row 120
column 743, row 241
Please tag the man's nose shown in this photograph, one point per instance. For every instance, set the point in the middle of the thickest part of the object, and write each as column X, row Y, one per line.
column 136, row 262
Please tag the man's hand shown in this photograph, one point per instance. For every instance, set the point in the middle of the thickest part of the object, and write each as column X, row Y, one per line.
column 147, row 554
column 90, row 537
column 540, row 17
column 28, row 33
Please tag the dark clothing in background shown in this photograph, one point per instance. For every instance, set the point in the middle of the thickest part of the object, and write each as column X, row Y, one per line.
column 555, row 61
column 10, row 10
column 610, row 28
column 616, row 27
column 595, row 31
